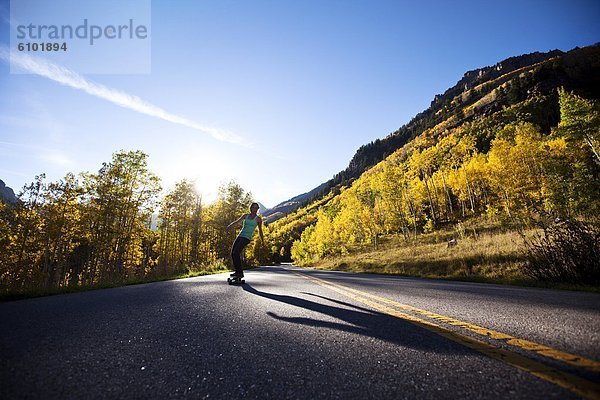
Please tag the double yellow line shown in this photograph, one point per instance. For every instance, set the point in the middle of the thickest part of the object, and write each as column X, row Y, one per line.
column 580, row 386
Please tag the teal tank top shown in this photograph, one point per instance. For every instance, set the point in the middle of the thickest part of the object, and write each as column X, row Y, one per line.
column 248, row 227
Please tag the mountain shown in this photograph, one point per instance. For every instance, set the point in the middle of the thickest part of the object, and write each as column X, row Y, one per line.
column 293, row 204
column 479, row 93
column 519, row 90
column 262, row 208
column 7, row 195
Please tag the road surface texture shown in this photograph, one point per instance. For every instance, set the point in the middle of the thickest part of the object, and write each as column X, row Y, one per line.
column 292, row 333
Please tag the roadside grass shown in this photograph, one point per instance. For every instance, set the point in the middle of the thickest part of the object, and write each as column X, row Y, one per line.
column 486, row 254
column 8, row 296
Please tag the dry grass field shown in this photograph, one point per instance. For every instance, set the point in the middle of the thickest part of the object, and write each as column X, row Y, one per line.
column 479, row 254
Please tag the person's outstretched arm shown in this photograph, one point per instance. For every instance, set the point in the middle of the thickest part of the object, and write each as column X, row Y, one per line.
column 260, row 232
column 237, row 221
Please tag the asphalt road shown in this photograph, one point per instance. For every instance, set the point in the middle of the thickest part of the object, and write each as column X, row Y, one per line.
column 302, row 334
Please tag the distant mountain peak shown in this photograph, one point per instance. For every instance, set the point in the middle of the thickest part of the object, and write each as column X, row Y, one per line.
column 262, row 208
column 7, row 195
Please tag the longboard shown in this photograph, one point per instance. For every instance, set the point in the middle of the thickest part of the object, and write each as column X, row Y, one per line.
column 235, row 281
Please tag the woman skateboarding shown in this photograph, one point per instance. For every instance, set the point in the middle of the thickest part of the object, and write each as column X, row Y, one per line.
column 250, row 222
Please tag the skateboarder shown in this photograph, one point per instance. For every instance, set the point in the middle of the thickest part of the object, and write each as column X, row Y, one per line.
column 250, row 222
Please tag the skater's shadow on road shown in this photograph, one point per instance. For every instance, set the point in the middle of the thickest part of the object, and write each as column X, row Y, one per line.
column 361, row 321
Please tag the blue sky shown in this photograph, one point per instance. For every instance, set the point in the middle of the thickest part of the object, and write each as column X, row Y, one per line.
column 301, row 84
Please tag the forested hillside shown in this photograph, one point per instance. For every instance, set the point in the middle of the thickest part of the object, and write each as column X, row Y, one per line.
column 501, row 145
column 478, row 93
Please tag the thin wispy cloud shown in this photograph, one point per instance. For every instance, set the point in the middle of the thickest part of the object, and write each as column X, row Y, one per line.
column 56, row 158
column 70, row 78
column 47, row 154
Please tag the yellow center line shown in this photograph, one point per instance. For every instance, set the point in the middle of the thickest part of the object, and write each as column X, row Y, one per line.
column 568, row 381
column 572, row 359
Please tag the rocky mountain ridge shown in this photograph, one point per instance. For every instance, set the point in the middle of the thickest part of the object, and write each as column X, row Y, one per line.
column 7, row 195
